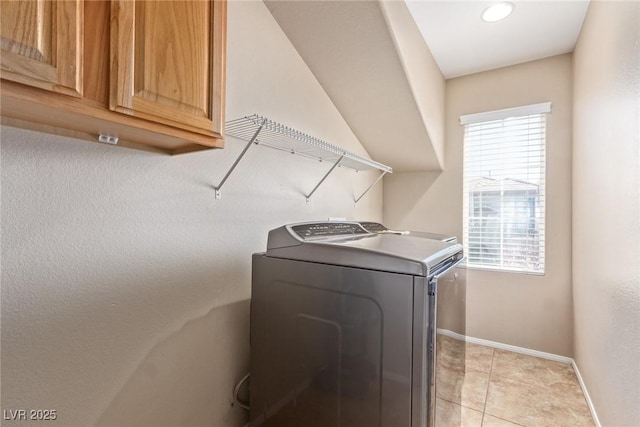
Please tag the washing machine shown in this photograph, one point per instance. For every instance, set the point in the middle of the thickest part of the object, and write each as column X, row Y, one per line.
column 344, row 325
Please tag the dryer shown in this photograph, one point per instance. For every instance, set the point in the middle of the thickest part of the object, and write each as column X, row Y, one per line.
column 344, row 325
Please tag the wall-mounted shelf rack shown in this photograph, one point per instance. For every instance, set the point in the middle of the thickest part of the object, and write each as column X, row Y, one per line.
column 260, row 130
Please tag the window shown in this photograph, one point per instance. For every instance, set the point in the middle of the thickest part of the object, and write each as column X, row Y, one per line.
column 504, row 189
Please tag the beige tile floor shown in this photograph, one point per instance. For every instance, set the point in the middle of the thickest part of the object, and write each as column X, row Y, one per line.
column 497, row 388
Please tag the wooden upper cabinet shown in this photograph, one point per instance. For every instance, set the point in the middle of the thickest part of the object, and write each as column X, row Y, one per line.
column 167, row 62
column 41, row 44
column 146, row 74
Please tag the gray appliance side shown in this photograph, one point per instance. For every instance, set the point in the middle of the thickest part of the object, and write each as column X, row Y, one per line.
column 341, row 333
column 452, row 303
column 439, row 301
column 447, row 317
column 421, row 375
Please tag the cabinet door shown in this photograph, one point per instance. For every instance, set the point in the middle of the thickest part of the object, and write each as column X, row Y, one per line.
column 168, row 62
column 41, row 44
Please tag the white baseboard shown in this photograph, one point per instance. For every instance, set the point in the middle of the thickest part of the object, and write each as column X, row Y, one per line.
column 508, row 347
column 529, row 352
column 594, row 415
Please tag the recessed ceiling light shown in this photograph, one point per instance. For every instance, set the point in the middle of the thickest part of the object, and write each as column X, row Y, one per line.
column 497, row 11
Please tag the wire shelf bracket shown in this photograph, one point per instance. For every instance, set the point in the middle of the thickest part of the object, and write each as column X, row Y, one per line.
column 383, row 173
column 233, row 166
column 259, row 130
column 335, row 165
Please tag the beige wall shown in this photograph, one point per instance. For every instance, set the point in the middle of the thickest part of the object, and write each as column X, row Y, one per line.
column 606, row 210
column 125, row 284
column 423, row 74
column 372, row 61
column 523, row 310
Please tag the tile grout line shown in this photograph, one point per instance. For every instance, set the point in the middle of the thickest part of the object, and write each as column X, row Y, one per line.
column 522, row 381
column 540, row 387
column 486, row 395
column 484, row 412
column 545, row 357
column 537, row 386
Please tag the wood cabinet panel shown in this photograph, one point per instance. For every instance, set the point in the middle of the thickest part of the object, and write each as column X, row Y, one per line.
column 97, row 14
column 161, row 63
column 167, row 62
column 41, row 44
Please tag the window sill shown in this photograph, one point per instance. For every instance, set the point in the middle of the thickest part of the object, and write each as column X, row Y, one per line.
column 499, row 270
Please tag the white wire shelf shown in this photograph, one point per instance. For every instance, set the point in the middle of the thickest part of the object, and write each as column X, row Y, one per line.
column 259, row 130
column 281, row 137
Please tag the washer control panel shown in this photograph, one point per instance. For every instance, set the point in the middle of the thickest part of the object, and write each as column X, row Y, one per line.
column 328, row 230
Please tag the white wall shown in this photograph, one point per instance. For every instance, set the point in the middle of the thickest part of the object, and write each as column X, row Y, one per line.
column 606, row 209
column 125, row 284
column 523, row 310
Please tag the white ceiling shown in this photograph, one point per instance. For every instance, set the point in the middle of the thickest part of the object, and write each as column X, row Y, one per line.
column 462, row 43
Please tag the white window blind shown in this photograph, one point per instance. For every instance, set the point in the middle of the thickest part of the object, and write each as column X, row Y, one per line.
column 504, row 189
